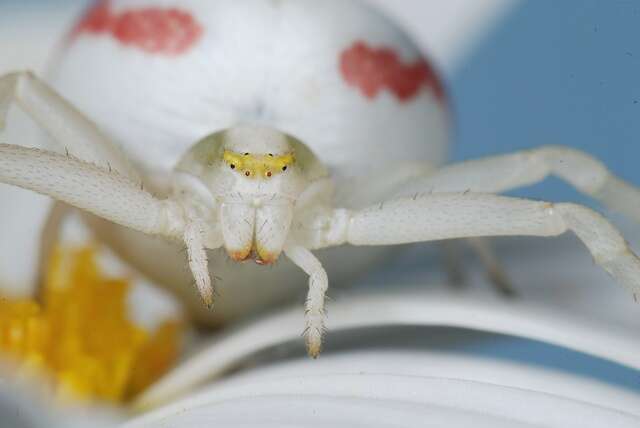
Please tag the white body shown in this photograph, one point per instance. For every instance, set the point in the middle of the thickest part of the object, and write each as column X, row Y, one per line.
column 258, row 61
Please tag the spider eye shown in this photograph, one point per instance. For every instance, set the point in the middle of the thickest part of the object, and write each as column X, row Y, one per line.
column 247, row 173
column 232, row 166
column 271, row 154
column 284, row 168
column 268, row 173
column 246, row 154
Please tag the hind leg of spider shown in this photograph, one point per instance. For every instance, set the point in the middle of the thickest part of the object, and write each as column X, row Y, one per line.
column 498, row 174
column 452, row 256
column 495, row 271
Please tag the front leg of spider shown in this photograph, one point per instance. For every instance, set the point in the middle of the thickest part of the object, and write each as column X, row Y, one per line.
column 194, row 233
column 109, row 195
column 97, row 178
column 314, row 305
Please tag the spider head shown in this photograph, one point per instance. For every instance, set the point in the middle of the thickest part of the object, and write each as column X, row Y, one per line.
column 253, row 176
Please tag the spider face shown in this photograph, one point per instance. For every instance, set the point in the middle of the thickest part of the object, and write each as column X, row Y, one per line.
column 254, row 175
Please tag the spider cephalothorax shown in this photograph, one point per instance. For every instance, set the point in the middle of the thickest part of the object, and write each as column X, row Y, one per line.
column 215, row 203
column 253, row 177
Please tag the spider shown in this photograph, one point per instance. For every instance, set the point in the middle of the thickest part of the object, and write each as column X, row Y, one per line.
column 262, row 194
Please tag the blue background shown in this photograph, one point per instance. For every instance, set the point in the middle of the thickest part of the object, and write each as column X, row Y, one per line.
column 555, row 72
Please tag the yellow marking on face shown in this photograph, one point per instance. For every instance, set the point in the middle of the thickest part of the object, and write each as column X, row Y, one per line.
column 258, row 166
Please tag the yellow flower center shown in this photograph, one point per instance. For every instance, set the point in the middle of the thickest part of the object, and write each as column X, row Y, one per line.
column 79, row 333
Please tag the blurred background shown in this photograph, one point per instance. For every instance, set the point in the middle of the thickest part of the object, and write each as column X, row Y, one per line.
column 519, row 74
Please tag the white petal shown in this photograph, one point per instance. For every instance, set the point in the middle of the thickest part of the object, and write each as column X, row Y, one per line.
column 564, row 300
column 398, row 389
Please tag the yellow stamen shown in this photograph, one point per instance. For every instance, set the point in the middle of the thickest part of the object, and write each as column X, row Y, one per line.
column 261, row 166
column 81, row 334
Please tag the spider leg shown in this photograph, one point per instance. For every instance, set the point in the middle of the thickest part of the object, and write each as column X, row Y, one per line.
column 451, row 255
column 314, row 306
column 67, row 126
column 104, row 193
column 70, row 130
column 501, row 173
column 97, row 178
column 111, row 196
column 196, row 251
column 470, row 215
column 492, row 266
column 378, row 187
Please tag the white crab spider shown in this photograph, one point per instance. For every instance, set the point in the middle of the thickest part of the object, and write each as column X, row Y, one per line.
column 259, row 193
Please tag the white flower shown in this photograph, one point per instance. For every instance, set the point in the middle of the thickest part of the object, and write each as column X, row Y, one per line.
column 375, row 372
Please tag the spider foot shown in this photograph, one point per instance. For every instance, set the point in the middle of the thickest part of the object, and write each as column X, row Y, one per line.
column 206, row 293
column 501, row 283
column 313, row 334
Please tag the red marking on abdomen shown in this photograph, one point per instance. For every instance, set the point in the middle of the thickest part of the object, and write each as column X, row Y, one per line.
column 372, row 70
column 169, row 31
